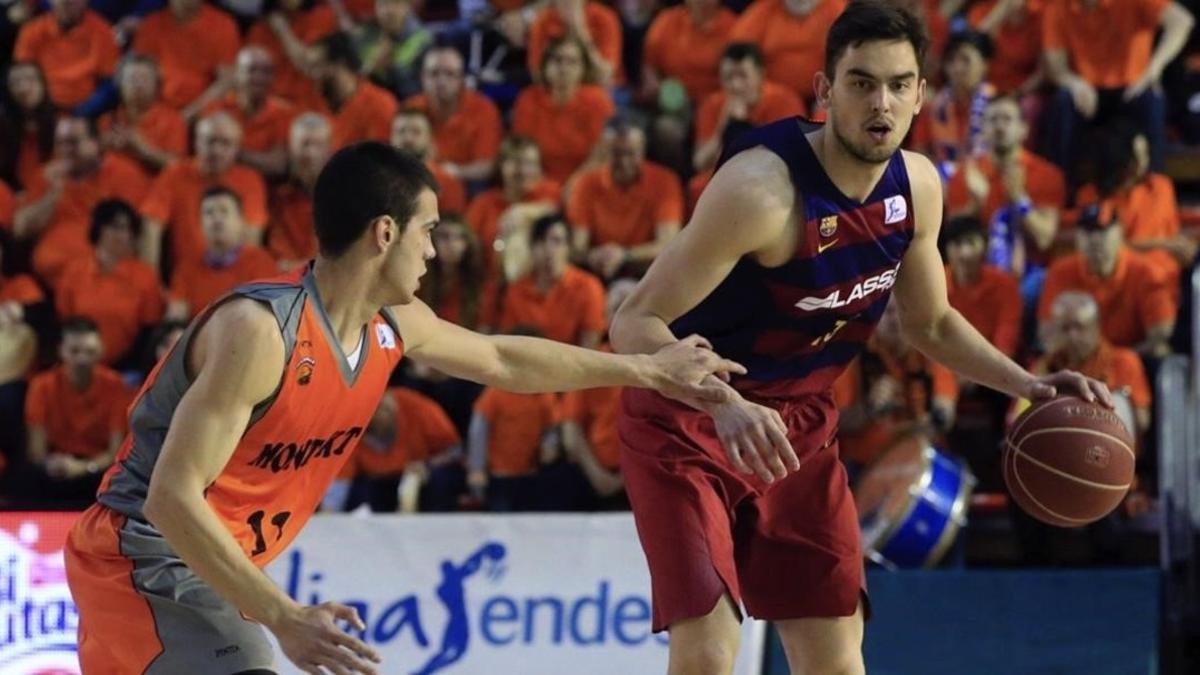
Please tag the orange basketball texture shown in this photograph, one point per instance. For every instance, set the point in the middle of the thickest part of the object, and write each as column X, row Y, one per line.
column 1068, row 462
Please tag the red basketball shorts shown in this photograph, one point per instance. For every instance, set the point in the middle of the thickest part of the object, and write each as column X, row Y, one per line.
column 785, row 550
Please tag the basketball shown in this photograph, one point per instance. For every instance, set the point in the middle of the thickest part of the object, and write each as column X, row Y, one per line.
column 1068, row 462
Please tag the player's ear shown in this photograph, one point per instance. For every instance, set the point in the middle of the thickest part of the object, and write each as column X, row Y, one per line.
column 821, row 87
column 384, row 232
column 920, row 96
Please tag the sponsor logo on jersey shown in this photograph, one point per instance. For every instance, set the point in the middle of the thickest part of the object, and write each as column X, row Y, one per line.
column 895, row 209
column 828, row 226
column 304, row 370
column 387, row 336
column 276, row 457
column 878, row 283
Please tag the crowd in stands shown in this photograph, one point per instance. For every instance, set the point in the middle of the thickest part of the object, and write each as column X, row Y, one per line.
column 155, row 154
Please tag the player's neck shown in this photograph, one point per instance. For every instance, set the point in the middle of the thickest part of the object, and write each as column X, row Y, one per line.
column 854, row 177
column 346, row 295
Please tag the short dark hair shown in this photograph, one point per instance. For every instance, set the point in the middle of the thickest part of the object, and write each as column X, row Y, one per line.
column 740, row 51
column 222, row 191
column 360, row 183
column 962, row 227
column 78, row 325
column 871, row 21
column 969, row 38
column 339, row 48
column 105, row 214
column 542, row 226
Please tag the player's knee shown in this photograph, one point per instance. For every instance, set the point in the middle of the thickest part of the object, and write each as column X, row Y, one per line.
column 848, row 663
column 713, row 657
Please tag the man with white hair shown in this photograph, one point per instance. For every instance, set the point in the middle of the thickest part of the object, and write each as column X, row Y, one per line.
column 290, row 234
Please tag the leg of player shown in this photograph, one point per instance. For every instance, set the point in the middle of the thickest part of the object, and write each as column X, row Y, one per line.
column 706, row 645
column 823, row 646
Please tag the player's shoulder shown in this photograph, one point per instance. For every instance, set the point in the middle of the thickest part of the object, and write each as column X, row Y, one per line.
column 754, row 173
column 922, row 174
column 245, row 321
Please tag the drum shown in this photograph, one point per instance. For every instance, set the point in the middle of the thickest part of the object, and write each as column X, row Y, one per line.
column 912, row 502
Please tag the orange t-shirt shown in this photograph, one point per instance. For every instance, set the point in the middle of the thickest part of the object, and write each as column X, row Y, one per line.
column 309, row 27
column 794, row 46
column 1110, row 44
column 290, row 233
column 267, row 129
column 564, row 133
column 121, row 302
column 676, row 47
column 775, row 103
column 483, row 215
column 1115, row 366
column 21, row 289
column 626, row 216
column 516, row 424
column 1133, row 300
column 595, row 411
column 8, row 205
column 451, row 305
column 188, row 54
column 423, row 430
column 992, row 305
column 603, row 25
column 365, row 116
column 574, row 305
column 452, row 196
column 1148, row 211
column 470, row 134
column 161, row 126
column 174, row 201
column 77, row 423
column 73, row 60
column 1017, row 43
column 31, row 164
column 198, row 284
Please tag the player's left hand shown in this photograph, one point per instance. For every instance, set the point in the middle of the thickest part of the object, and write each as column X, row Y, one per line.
column 682, row 367
column 1071, row 383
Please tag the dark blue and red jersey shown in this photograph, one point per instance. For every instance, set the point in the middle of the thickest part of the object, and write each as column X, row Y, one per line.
column 796, row 326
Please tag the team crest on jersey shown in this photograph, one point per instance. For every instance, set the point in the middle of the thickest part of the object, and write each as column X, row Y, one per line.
column 387, row 336
column 304, row 370
column 828, row 226
column 895, row 209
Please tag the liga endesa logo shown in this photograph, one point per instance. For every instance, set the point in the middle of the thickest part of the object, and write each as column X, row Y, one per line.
column 471, row 612
column 38, row 619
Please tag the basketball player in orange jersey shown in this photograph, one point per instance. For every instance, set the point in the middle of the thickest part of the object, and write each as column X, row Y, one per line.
column 243, row 425
column 786, row 266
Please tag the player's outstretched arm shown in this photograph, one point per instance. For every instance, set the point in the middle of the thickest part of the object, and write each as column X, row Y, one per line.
column 237, row 361
column 938, row 330
column 529, row 365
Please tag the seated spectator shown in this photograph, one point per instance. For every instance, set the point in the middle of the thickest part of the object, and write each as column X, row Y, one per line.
column 986, row 296
column 1137, row 307
column 173, row 204
column 560, row 300
column 290, row 234
column 75, row 48
column 791, row 35
column 287, row 29
column 264, row 118
column 111, row 286
column 143, row 128
column 389, row 45
column 75, row 420
column 20, row 297
column 595, row 26
column 1015, row 29
column 27, row 123
column 563, row 114
column 1100, row 57
column 456, row 285
column 55, row 212
column 412, row 133
column 746, row 100
column 466, row 124
column 521, row 181
column 1017, row 194
column 228, row 261
column 193, row 43
column 951, row 128
column 624, row 213
column 361, row 111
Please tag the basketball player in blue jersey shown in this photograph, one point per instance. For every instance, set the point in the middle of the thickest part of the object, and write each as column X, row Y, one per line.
column 795, row 247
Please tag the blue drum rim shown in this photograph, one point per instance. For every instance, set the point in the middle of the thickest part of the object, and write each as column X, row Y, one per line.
column 957, row 518
column 927, row 455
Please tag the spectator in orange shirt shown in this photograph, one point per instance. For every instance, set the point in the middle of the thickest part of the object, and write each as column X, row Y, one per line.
column 75, row 48
column 746, row 100
column 264, row 118
column 390, row 44
column 595, row 26
column 1137, row 307
column 1015, row 192
column 228, row 261
column 456, row 286
column 194, row 44
column 361, row 111
column 466, row 124
column 75, row 419
column 1098, row 52
column 563, row 114
column 174, row 202
column 1016, row 32
column 560, row 300
column 521, row 182
column 622, row 214
column 142, row 127
column 287, row 29
column 27, row 122
column 950, row 129
column 987, row 297
column 412, row 133
column 791, row 35
column 290, row 234
column 56, row 212
column 112, row 287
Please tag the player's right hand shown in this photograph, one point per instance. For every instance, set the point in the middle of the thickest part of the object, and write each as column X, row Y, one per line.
column 311, row 639
column 683, row 367
column 755, row 439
